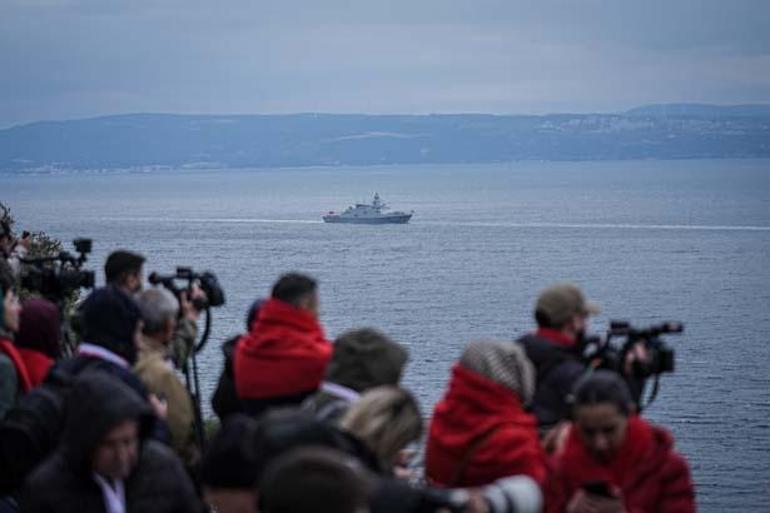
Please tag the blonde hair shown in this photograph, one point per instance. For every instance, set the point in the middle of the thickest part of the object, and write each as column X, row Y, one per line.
column 386, row 419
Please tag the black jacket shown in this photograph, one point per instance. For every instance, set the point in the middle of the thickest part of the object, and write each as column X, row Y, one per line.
column 558, row 368
column 225, row 401
column 64, row 482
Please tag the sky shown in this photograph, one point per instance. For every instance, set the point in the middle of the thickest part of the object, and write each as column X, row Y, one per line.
column 64, row 59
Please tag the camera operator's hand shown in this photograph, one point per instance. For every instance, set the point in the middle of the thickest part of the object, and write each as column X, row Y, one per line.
column 186, row 302
column 583, row 502
column 637, row 353
column 159, row 406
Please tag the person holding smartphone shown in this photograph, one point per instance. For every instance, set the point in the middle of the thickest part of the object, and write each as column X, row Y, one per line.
column 613, row 461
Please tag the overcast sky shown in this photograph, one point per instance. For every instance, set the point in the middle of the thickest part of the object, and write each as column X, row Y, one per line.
column 62, row 59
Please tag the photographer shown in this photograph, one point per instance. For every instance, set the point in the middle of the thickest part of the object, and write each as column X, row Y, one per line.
column 124, row 270
column 555, row 349
column 159, row 310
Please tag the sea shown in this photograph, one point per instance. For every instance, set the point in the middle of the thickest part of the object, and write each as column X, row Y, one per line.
column 650, row 241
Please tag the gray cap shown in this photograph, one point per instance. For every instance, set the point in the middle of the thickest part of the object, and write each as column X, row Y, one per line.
column 561, row 301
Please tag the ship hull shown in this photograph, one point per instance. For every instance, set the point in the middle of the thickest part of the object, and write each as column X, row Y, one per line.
column 395, row 219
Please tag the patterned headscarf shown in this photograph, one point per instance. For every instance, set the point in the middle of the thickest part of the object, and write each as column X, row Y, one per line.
column 504, row 363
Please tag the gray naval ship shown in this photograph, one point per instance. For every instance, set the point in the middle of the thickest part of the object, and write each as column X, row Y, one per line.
column 365, row 213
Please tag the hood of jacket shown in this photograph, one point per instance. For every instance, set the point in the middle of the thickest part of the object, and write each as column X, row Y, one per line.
column 97, row 403
column 481, row 424
column 285, row 353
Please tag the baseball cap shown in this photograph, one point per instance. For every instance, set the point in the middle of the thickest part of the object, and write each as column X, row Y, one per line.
column 561, row 301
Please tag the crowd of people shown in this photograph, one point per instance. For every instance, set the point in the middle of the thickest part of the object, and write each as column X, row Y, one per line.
column 306, row 424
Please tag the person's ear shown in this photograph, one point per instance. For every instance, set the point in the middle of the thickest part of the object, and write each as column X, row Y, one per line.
column 168, row 329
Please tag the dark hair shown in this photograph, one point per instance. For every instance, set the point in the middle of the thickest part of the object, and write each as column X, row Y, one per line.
column 312, row 480
column 253, row 312
column 281, row 430
column 109, row 318
column 544, row 321
column 228, row 463
column 292, row 287
column 600, row 387
column 121, row 263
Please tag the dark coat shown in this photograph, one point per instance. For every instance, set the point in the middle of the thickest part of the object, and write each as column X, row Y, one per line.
column 64, row 482
column 225, row 400
column 651, row 475
column 558, row 367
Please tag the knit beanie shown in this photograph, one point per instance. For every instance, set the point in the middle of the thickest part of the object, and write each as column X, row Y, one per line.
column 504, row 363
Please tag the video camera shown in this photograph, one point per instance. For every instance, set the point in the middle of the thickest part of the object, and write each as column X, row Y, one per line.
column 57, row 277
column 659, row 357
column 207, row 281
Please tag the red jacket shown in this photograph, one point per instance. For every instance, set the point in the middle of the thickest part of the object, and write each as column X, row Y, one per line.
column 480, row 425
column 285, row 353
column 37, row 364
column 652, row 477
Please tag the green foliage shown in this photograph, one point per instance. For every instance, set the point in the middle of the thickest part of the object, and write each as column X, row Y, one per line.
column 43, row 245
column 40, row 245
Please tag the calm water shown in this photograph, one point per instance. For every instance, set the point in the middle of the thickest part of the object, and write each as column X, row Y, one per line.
column 650, row 241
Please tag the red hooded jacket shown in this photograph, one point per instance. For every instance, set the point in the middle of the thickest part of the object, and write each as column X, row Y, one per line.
column 285, row 353
column 652, row 477
column 480, row 433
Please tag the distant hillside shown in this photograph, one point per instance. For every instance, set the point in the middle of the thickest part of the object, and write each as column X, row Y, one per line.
column 147, row 140
column 701, row 110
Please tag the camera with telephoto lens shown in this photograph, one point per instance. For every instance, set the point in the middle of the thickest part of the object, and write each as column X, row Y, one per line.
column 207, row 281
column 516, row 494
column 659, row 355
column 57, row 277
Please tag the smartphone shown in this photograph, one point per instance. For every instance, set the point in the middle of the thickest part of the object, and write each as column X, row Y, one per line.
column 599, row 488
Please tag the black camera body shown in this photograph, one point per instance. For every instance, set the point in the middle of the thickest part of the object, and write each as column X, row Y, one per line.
column 207, row 281
column 59, row 276
column 603, row 353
